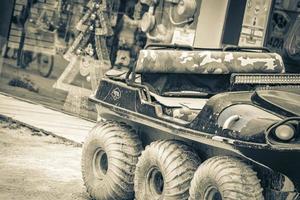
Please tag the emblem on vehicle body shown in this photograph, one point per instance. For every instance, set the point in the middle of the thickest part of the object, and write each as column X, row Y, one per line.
column 116, row 94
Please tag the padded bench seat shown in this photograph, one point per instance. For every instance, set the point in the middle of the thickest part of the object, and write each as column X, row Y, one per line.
column 208, row 62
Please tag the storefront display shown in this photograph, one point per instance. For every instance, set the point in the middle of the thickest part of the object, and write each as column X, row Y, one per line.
column 64, row 47
column 87, row 56
column 33, row 31
column 91, row 53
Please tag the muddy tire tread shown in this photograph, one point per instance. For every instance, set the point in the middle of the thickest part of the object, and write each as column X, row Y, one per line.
column 120, row 141
column 177, row 176
column 236, row 179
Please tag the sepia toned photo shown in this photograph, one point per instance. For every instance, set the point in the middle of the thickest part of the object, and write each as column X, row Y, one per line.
column 150, row 100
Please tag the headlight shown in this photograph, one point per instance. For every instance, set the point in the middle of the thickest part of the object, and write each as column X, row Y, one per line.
column 285, row 132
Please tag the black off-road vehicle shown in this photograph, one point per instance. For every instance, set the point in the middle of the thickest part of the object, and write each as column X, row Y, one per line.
column 241, row 130
column 196, row 123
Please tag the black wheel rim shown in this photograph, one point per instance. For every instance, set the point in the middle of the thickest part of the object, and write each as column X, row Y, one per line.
column 45, row 64
column 100, row 163
column 155, row 182
column 212, row 193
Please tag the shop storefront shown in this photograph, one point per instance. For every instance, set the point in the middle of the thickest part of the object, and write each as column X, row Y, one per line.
column 54, row 52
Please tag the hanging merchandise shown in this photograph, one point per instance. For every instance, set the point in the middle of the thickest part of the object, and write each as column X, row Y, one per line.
column 170, row 21
column 94, row 28
column 108, row 36
column 88, row 55
column 255, row 23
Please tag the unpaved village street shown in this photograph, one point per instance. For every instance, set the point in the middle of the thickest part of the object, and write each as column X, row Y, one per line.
column 34, row 166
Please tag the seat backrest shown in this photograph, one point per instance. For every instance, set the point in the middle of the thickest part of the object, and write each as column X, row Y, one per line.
column 208, row 62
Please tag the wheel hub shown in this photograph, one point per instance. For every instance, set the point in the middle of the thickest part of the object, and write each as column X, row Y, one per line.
column 100, row 163
column 155, row 182
column 212, row 193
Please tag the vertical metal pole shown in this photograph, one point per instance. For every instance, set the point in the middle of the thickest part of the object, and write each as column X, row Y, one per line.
column 23, row 35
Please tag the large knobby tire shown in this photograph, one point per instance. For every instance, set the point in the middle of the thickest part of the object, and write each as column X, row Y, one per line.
column 225, row 178
column 164, row 171
column 109, row 158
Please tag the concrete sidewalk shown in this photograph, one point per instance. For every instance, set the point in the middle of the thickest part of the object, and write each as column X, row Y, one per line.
column 38, row 117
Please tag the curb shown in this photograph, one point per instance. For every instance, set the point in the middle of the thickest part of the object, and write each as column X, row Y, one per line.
column 9, row 119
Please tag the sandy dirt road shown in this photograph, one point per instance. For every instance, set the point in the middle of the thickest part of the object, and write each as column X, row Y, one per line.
column 37, row 167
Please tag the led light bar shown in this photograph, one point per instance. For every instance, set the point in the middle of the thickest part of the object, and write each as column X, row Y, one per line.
column 266, row 79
